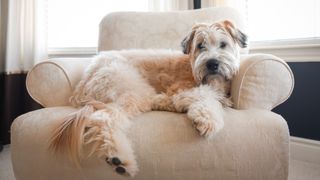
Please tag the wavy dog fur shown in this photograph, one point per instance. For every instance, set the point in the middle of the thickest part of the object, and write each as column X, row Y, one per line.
column 69, row 136
column 120, row 85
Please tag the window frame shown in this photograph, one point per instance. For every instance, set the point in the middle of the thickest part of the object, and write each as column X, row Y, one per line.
column 293, row 50
column 72, row 52
column 290, row 50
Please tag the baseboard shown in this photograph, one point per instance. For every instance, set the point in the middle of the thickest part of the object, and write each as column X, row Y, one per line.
column 305, row 149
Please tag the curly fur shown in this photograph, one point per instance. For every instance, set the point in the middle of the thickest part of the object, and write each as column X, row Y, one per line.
column 120, row 85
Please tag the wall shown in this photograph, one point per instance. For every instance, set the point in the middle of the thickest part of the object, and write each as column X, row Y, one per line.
column 14, row 101
column 302, row 109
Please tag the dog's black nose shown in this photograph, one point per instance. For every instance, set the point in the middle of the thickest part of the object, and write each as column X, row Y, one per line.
column 213, row 65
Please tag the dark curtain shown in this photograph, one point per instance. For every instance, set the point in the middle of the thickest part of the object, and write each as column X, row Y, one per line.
column 196, row 4
column 15, row 101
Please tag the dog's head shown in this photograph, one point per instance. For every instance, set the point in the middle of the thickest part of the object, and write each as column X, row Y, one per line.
column 214, row 50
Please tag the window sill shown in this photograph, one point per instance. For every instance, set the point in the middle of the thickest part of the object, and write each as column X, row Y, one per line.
column 72, row 52
column 304, row 50
column 290, row 50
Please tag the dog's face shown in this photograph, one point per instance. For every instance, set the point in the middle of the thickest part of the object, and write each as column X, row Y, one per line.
column 214, row 50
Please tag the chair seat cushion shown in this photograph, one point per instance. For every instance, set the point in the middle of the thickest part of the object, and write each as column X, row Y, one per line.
column 253, row 145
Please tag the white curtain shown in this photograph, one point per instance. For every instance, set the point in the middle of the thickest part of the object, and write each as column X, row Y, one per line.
column 23, row 24
column 170, row 5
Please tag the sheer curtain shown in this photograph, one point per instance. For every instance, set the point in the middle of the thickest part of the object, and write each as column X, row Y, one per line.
column 26, row 34
column 22, row 44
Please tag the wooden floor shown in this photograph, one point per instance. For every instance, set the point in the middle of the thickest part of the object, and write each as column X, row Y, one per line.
column 298, row 170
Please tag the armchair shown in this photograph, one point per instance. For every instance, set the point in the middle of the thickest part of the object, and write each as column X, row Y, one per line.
column 254, row 143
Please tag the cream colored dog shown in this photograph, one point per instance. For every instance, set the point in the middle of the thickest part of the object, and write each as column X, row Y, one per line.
column 120, row 85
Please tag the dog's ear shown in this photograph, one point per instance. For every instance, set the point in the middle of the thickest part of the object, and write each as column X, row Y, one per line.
column 186, row 42
column 236, row 34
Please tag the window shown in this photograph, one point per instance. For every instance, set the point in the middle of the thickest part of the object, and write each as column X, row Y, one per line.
column 75, row 23
column 283, row 19
column 289, row 29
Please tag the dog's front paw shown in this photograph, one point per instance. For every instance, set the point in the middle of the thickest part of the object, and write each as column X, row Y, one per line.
column 205, row 128
column 205, row 121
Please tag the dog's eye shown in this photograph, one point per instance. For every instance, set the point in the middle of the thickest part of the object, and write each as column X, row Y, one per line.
column 223, row 45
column 201, row 46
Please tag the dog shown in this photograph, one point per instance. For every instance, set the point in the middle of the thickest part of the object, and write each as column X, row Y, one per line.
column 119, row 85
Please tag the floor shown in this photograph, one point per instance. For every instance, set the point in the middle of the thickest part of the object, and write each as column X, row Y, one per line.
column 6, row 172
column 299, row 170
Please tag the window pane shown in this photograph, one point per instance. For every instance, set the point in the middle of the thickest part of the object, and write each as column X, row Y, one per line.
column 74, row 23
column 283, row 19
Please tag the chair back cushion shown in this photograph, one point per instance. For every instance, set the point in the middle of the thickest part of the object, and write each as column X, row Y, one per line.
column 149, row 30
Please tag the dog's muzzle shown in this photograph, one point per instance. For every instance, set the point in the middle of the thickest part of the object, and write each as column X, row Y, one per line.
column 212, row 66
column 212, row 71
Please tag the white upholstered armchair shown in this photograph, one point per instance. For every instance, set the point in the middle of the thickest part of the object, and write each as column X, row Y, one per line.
column 254, row 143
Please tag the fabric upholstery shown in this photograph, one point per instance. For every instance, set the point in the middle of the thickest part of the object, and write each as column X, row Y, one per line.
column 51, row 82
column 253, row 145
column 263, row 81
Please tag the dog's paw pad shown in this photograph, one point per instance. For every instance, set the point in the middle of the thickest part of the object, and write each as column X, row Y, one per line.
column 116, row 161
column 120, row 170
column 121, row 167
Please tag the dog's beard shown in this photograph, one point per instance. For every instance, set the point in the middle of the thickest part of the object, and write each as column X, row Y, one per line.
column 224, row 73
column 218, row 83
column 211, row 79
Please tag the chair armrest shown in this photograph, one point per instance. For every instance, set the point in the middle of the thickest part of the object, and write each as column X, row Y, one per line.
column 264, row 81
column 50, row 83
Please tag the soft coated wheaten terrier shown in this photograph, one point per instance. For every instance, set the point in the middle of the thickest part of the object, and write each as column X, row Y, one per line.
column 119, row 85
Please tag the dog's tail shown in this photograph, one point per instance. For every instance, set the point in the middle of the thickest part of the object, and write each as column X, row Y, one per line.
column 68, row 137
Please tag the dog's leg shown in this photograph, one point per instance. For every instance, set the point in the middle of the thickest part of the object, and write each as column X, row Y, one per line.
column 131, row 103
column 95, row 72
column 125, row 94
column 109, row 139
column 129, row 97
column 163, row 102
column 105, row 137
column 203, row 107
